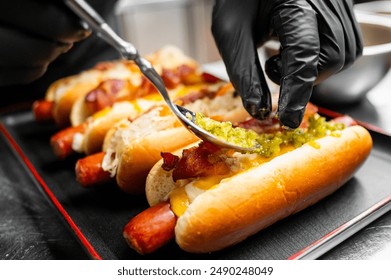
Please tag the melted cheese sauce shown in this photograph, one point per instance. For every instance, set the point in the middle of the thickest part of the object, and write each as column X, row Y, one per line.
column 102, row 113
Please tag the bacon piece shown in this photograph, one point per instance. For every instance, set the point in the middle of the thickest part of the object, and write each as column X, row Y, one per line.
column 170, row 161
column 104, row 95
column 170, row 78
column 184, row 71
column 201, row 161
column 272, row 125
column 268, row 125
column 184, row 74
column 196, row 95
column 145, row 88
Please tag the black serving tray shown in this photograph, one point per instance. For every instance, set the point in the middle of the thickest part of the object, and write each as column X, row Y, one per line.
column 96, row 216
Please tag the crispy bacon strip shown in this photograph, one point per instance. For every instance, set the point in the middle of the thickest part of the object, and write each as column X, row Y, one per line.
column 104, row 95
column 203, row 160
column 272, row 125
column 269, row 125
column 170, row 161
column 146, row 87
column 186, row 75
column 196, row 95
column 170, row 78
column 206, row 159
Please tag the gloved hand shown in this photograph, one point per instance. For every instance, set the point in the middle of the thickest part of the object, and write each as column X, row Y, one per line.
column 318, row 38
column 34, row 33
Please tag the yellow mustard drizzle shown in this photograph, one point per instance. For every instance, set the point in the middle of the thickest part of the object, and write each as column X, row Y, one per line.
column 153, row 97
column 136, row 106
column 101, row 113
column 185, row 90
column 179, row 201
column 206, row 183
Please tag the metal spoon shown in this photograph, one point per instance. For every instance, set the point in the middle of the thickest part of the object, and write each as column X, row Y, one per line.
column 128, row 51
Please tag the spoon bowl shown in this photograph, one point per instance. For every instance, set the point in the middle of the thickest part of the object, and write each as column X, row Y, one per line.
column 186, row 116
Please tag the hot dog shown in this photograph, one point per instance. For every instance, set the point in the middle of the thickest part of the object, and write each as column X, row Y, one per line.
column 133, row 147
column 96, row 127
column 116, row 99
column 71, row 139
column 174, row 67
column 64, row 92
column 77, row 97
column 92, row 173
column 61, row 142
column 154, row 228
column 221, row 197
column 43, row 110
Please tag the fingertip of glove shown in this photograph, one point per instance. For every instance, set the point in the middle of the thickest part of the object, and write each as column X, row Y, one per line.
column 257, row 102
column 258, row 113
column 291, row 119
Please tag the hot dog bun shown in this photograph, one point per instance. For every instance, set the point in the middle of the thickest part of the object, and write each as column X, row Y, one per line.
column 129, row 82
column 133, row 147
column 100, row 124
column 136, row 159
column 68, row 94
column 64, row 92
column 241, row 205
column 91, row 140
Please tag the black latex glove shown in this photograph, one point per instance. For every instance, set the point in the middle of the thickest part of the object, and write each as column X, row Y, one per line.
column 318, row 38
column 33, row 33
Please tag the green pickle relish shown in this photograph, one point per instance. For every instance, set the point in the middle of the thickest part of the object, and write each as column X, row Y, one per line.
column 269, row 144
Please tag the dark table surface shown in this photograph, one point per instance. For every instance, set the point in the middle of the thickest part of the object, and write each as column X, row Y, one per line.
column 31, row 228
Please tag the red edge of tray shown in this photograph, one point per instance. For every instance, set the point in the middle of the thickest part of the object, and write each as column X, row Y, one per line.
column 91, row 250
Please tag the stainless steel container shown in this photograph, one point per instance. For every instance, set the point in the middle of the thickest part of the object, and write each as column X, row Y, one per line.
column 151, row 24
column 352, row 85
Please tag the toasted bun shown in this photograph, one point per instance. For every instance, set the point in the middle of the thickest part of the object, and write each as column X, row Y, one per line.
column 79, row 112
column 67, row 90
column 97, row 129
column 250, row 201
column 138, row 157
column 138, row 152
column 130, row 81
column 159, row 183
